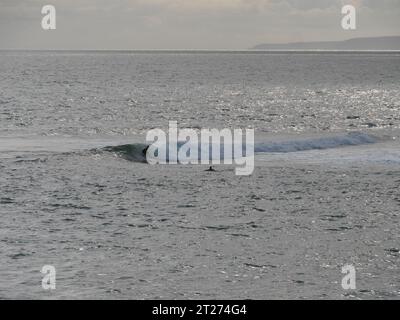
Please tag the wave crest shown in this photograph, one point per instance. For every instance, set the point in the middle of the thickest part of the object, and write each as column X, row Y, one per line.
column 137, row 152
column 350, row 139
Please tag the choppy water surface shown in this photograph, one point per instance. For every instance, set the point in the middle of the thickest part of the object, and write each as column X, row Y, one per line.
column 324, row 192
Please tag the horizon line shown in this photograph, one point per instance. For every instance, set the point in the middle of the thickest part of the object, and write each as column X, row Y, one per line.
column 250, row 50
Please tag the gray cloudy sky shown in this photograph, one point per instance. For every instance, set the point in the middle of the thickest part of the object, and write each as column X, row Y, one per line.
column 188, row 24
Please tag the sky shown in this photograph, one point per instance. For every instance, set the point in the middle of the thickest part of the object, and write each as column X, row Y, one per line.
column 188, row 24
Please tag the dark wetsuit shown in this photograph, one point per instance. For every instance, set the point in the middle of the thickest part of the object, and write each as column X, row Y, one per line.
column 145, row 150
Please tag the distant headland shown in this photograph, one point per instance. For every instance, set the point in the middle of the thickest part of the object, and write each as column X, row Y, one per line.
column 375, row 43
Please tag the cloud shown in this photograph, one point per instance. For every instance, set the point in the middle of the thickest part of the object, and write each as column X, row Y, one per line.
column 192, row 24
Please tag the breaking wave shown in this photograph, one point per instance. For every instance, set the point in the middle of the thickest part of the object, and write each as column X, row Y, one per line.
column 132, row 152
column 350, row 139
column 137, row 152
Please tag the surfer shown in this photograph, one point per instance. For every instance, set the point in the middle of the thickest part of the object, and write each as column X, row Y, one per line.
column 211, row 169
column 145, row 150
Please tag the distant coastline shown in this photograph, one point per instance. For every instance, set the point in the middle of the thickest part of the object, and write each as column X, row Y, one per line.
column 356, row 45
column 391, row 43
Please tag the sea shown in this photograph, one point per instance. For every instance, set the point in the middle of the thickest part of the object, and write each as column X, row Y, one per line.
column 75, row 195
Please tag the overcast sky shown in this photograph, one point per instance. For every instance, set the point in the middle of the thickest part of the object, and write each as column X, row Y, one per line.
column 188, row 24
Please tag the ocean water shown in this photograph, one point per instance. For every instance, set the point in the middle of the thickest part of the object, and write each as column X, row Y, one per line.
column 75, row 195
